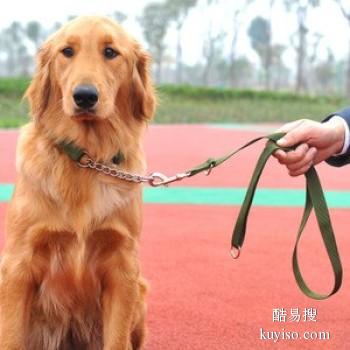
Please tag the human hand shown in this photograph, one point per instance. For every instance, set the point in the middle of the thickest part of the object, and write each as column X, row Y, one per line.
column 316, row 142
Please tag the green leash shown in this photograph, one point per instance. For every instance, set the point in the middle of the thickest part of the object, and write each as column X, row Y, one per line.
column 314, row 200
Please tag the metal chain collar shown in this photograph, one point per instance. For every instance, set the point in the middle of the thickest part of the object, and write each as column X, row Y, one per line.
column 154, row 179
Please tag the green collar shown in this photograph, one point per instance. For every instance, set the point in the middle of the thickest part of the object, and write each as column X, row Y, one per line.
column 75, row 153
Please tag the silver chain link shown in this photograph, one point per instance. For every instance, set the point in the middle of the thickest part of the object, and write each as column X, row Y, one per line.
column 154, row 179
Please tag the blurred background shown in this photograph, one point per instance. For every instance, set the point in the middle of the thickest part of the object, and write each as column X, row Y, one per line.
column 213, row 60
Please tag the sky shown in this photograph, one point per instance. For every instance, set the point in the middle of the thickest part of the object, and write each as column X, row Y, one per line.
column 326, row 20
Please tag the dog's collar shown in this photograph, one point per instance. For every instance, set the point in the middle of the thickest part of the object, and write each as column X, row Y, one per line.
column 75, row 153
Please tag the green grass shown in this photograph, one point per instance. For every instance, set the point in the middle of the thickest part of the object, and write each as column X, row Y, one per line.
column 200, row 92
column 13, row 86
column 13, row 112
column 240, row 110
column 186, row 104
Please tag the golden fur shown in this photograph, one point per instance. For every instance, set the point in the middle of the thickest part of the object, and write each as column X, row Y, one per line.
column 70, row 277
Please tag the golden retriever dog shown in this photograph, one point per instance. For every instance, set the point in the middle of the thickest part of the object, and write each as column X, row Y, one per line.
column 70, row 276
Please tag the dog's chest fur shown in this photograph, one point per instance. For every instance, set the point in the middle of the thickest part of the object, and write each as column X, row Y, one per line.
column 69, row 260
column 68, row 284
column 70, row 278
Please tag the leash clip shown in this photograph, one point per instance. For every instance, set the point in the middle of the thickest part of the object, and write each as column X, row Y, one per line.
column 159, row 179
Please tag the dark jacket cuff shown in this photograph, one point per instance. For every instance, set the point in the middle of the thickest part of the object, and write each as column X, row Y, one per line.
column 343, row 159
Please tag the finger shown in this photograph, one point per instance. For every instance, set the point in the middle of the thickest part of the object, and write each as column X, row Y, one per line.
column 297, row 135
column 280, row 155
column 301, row 171
column 290, row 126
column 309, row 158
column 297, row 155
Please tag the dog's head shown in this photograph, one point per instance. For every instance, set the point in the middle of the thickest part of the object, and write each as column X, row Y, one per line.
column 91, row 69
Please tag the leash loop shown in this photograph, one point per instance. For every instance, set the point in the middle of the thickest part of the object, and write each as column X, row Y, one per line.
column 235, row 251
column 315, row 200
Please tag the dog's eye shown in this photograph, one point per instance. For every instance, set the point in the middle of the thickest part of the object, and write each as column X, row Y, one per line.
column 68, row 52
column 110, row 53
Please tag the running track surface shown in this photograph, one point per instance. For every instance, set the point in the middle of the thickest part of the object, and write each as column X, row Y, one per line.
column 200, row 298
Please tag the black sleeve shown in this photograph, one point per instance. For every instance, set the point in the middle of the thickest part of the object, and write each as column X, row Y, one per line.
column 339, row 161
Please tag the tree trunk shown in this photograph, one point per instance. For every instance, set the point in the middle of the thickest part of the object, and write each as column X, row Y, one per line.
column 179, row 54
column 301, row 84
column 269, row 51
column 233, row 57
column 268, row 68
column 208, row 64
column 208, row 55
column 159, row 67
column 205, row 76
column 159, row 73
column 348, row 74
column 347, row 16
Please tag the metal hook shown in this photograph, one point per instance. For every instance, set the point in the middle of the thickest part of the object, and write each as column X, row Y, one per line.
column 159, row 179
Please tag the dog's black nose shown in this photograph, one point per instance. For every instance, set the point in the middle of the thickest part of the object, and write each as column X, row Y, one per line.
column 85, row 96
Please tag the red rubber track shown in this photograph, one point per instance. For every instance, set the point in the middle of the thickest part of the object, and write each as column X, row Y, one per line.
column 199, row 297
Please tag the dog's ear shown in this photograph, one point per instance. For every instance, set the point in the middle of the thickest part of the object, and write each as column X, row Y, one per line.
column 38, row 92
column 142, row 94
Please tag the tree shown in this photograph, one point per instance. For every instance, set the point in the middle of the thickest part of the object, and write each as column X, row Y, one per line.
column 325, row 73
column 271, row 50
column 15, row 51
column 301, row 7
column 212, row 52
column 155, row 22
column 178, row 13
column 346, row 13
column 234, row 66
column 260, row 38
column 244, row 77
column 279, row 72
column 212, row 45
column 35, row 33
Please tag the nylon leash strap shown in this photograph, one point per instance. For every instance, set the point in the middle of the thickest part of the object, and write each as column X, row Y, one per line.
column 314, row 200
